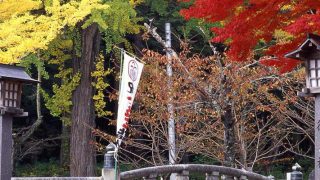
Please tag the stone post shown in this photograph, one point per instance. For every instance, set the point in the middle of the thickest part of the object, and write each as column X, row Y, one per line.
column 109, row 172
column 151, row 177
column 295, row 174
column 311, row 176
column 317, row 136
column 5, row 146
column 227, row 177
column 184, row 175
column 213, row 176
column 271, row 177
column 243, row 177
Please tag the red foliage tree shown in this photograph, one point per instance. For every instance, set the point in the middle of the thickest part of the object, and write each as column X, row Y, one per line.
column 245, row 23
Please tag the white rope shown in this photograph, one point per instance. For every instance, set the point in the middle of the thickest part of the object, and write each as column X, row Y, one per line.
column 130, row 54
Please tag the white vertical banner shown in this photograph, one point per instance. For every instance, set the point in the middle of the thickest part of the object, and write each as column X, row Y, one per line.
column 131, row 73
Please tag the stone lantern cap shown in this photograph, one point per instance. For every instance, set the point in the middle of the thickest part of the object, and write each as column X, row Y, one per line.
column 309, row 49
column 111, row 147
column 15, row 73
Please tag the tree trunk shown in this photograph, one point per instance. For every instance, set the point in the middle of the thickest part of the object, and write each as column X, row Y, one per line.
column 228, row 121
column 82, row 152
column 229, row 137
column 242, row 146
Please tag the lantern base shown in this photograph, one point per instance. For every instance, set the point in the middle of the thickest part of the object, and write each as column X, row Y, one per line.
column 16, row 112
column 309, row 92
column 303, row 94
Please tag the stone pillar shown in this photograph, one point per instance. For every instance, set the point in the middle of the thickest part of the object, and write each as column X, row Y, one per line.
column 109, row 172
column 5, row 146
column 151, row 177
column 213, row 176
column 227, row 177
column 184, row 175
column 311, row 175
column 271, row 177
column 296, row 174
column 317, row 136
column 243, row 178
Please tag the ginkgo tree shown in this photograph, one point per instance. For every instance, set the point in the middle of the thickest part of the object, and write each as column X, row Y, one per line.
column 30, row 26
column 25, row 32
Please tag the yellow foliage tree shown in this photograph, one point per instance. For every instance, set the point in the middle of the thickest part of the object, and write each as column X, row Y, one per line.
column 31, row 26
column 23, row 32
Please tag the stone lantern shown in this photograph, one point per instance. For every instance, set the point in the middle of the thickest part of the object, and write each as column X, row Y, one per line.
column 309, row 52
column 11, row 80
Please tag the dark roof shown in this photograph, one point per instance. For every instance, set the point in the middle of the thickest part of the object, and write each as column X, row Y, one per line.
column 315, row 37
column 311, row 43
column 15, row 72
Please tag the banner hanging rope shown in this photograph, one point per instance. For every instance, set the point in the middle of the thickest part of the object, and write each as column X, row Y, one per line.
column 129, row 53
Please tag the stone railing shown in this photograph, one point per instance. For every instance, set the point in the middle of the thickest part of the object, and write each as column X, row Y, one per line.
column 182, row 171
column 57, row 178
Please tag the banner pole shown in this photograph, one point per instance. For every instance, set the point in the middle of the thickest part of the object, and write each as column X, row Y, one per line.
column 121, row 66
column 120, row 78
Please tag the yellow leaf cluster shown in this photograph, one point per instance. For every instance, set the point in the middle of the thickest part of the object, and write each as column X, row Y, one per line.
column 9, row 8
column 60, row 103
column 282, row 37
column 135, row 2
column 287, row 7
column 25, row 33
column 99, row 98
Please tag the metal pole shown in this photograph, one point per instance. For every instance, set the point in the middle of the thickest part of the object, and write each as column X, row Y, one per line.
column 171, row 124
column 5, row 146
column 317, row 136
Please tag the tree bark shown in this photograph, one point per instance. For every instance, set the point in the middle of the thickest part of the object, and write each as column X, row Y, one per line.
column 82, row 152
column 228, row 120
column 229, row 137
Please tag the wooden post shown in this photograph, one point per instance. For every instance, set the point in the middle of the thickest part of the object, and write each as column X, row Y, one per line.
column 213, row 176
column 5, row 146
